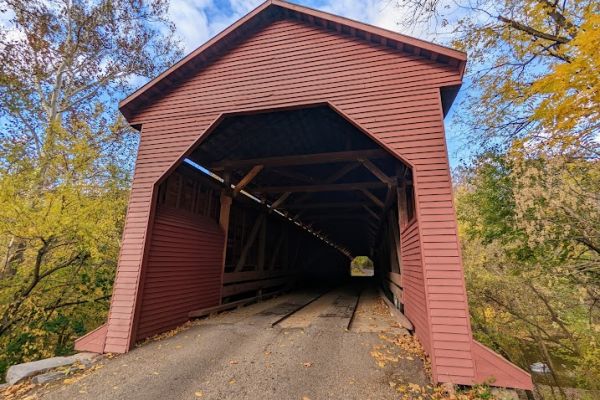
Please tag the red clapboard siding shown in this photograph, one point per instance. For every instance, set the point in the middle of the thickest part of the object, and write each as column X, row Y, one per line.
column 190, row 279
column 392, row 95
column 414, row 284
column 490, row 365
column 93, row 341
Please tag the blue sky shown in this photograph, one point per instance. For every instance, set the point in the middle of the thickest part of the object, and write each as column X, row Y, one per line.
column 199, row 20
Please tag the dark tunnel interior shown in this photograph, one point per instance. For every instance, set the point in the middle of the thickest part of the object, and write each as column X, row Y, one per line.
column 309, row 192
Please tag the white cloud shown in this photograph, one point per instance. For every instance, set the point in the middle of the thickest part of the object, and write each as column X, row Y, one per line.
column 193, row 26
column 388, row 15
column 199, row 20
column 381, row 13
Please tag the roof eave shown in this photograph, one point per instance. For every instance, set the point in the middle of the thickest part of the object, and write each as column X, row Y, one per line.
column 425, row 45
column 123, row 103
column 460, row 57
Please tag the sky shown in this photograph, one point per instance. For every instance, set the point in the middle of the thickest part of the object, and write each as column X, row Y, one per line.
column 199, row 20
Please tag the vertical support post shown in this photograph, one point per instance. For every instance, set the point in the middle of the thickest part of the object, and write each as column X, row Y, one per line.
column 394, row 236
column 277, row 248
column 262, row 245
column 224, row 223
column 224, row 213
column 260, row 219
column 402, row 206
column 402, row 221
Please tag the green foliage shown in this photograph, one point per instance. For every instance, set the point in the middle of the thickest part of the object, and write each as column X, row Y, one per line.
column 61, row 239
column 531, row 261
column 361, row 266
column 529, row 204
column 65, row 161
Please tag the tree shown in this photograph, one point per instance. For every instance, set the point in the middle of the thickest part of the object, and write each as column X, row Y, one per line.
column 532, row 70
column 532, row 278
column 66, row 159
column 528, row 205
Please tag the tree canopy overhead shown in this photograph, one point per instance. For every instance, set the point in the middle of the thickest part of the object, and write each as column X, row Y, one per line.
column 532, row 70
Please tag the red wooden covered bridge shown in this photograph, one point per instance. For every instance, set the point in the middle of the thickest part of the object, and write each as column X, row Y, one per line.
column 287, row 144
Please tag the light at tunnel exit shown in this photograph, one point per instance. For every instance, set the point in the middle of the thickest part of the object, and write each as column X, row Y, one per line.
column 362, row 266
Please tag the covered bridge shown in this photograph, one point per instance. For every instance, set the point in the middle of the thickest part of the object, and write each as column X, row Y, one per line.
column 282, row 147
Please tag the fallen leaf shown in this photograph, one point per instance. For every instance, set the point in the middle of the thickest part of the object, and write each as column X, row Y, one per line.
column 199, row 393
column 231, row 382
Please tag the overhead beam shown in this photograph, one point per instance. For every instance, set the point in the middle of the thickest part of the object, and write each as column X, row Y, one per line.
column 309, row 206
column 226, row 193
column 350, row 217
column 331, row 179
column 371, row 212
column 247, row 178
column 339, row 187
column 303, row 159
column 373, row 198
column 280, row 200
column 293, row 175
column 379, row 174
column 339, row 174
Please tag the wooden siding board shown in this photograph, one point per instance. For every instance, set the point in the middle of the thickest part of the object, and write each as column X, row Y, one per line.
column 171, row 290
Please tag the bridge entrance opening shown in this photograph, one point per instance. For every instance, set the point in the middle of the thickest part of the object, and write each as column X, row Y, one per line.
column 283, row 199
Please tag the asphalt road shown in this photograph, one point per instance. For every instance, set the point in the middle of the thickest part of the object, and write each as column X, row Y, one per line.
column 238, row 355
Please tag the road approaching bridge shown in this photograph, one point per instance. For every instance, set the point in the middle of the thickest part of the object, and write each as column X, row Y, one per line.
column 252, row 353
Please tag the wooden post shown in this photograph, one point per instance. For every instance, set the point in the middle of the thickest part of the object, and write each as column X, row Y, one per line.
column 262, row 245
column 224, row 213
column 224, row 223
column 402, row 220
column 275, row 254
column 402, row 206
column 249, row 242
column 395, row 239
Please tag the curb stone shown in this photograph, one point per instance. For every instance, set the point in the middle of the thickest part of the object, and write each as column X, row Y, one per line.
column 17, row 373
